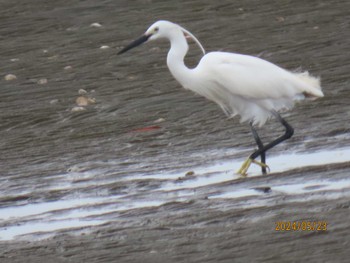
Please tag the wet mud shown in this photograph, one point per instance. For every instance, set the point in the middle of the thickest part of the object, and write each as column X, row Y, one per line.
column 105, row 158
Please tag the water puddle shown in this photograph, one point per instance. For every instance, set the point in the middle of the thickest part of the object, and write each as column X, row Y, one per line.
column 48, row 217
column 12, row 232
column 224, row 171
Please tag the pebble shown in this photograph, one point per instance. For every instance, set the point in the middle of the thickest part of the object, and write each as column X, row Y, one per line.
column 91, row 100
column 159, row 120
column 189, row 173
column 75, row 169
column 53, row 57
column 131, row 77
column 42, row 81
column 54, row 101
column 82, row 92
column 264, row 189
column 77, row 109
column 84, row 101
column 14, row 59
column 280, row 19
column 10, row 77
column 67, row 67
column 104, row 47
column 96, row 25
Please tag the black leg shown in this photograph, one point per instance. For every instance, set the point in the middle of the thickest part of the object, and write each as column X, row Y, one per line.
column 288, row 133
column 260, row 147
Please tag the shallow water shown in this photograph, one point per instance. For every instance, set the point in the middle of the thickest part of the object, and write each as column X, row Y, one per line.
column 63, row 169
column 50, row 216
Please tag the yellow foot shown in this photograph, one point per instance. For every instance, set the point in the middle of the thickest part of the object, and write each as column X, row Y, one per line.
column 245, row 166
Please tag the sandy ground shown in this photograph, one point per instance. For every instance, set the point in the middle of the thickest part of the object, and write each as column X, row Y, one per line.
column 92, row 185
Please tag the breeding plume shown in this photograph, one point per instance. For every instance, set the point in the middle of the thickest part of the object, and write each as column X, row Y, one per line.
column 243, row 85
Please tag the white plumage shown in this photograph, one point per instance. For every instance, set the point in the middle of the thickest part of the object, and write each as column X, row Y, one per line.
column 243, row 85
column 249, row 86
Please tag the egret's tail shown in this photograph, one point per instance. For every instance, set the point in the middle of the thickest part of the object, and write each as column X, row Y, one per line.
column 313, row 85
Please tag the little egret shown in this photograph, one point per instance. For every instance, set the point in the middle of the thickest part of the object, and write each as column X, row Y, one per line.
column 242, row 85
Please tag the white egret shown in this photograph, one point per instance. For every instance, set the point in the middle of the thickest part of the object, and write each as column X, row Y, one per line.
column 242, row 85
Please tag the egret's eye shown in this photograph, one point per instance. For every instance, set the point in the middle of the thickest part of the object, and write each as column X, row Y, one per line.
column 156, row 29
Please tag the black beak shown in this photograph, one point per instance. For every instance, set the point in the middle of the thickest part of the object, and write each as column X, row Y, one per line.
column 135, row 43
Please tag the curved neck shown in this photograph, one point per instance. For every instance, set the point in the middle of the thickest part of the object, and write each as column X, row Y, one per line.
column 175, row 58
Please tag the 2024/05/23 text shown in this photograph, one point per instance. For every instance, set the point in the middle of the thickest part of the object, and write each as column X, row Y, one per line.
column 301, row 226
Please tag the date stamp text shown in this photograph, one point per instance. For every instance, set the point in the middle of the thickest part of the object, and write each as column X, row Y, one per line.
column 301, row 225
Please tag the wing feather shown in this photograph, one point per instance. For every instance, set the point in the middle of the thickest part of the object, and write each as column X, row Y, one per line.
column 250, row 77
column 249, row 86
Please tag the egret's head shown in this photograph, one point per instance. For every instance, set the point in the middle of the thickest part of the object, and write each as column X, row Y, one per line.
column 160, row 29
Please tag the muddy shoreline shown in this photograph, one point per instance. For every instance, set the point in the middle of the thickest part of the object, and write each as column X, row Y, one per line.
column 93, row 184
column 207, row 230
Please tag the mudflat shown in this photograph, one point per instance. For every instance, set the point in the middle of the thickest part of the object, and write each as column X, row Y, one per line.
column 105, row 158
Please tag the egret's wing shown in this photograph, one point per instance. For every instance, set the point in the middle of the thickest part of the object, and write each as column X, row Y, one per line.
column 249, row 86
column 249, row 77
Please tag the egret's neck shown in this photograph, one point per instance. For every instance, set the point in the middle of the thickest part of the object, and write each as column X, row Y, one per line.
column 175, row 59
